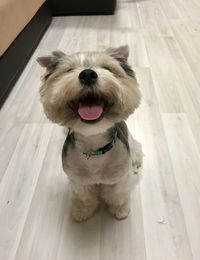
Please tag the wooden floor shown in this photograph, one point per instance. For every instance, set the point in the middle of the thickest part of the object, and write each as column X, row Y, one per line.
column 164, row 39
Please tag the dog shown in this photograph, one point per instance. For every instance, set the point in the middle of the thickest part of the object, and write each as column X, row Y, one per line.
column 92, row 94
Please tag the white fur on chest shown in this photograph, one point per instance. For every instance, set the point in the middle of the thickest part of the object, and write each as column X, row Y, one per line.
column 109, row 168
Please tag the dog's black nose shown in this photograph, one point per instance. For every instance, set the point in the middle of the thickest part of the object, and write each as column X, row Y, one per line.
column 88, row 77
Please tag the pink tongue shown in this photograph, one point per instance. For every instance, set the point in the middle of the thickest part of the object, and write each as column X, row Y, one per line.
column 90, row 112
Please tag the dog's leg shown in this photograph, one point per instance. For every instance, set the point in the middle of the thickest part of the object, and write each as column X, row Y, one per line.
column 136, row 154
column 84, row 201
column 117, row 197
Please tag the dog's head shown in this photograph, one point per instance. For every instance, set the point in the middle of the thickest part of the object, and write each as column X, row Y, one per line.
column 89, row 92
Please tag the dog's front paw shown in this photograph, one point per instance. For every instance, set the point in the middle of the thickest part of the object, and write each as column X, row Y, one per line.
column 119, row 211
column 81, row 211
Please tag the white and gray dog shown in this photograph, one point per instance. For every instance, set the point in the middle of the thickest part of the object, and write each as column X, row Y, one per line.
column 92, row 93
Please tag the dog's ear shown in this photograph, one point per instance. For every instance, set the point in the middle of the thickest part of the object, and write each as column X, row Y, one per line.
column 121, row 52
column 121, row 55
column 52, row 61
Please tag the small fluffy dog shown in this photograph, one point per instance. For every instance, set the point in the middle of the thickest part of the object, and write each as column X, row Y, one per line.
column 92, row 93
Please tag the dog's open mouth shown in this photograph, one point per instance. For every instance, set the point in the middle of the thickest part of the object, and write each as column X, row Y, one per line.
column 90, row 108
column 90, row 113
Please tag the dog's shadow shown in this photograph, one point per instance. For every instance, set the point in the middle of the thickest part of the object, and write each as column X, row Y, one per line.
column 86, row 238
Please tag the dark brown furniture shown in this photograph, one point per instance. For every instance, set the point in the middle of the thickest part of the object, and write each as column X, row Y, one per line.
column 78, row 7
column 13, row 61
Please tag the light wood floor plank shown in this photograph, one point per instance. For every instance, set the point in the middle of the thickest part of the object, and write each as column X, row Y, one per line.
column 18, row 185
column 9, row 135
column 185, row 158
column 190, row 45
column 80, row 241
column 188, row 87
column 138, row 55
column 152, row 15
column 164, row 225
column 127, row 16
column 188, row 9
column 48, row 206
column 164, row 74
column 170, row 9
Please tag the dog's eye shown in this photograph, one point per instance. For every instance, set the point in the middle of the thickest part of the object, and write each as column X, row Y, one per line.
column 68, row 70
column 107, row 68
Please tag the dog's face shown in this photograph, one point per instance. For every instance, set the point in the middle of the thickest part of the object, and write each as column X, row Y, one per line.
column 89, row 92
